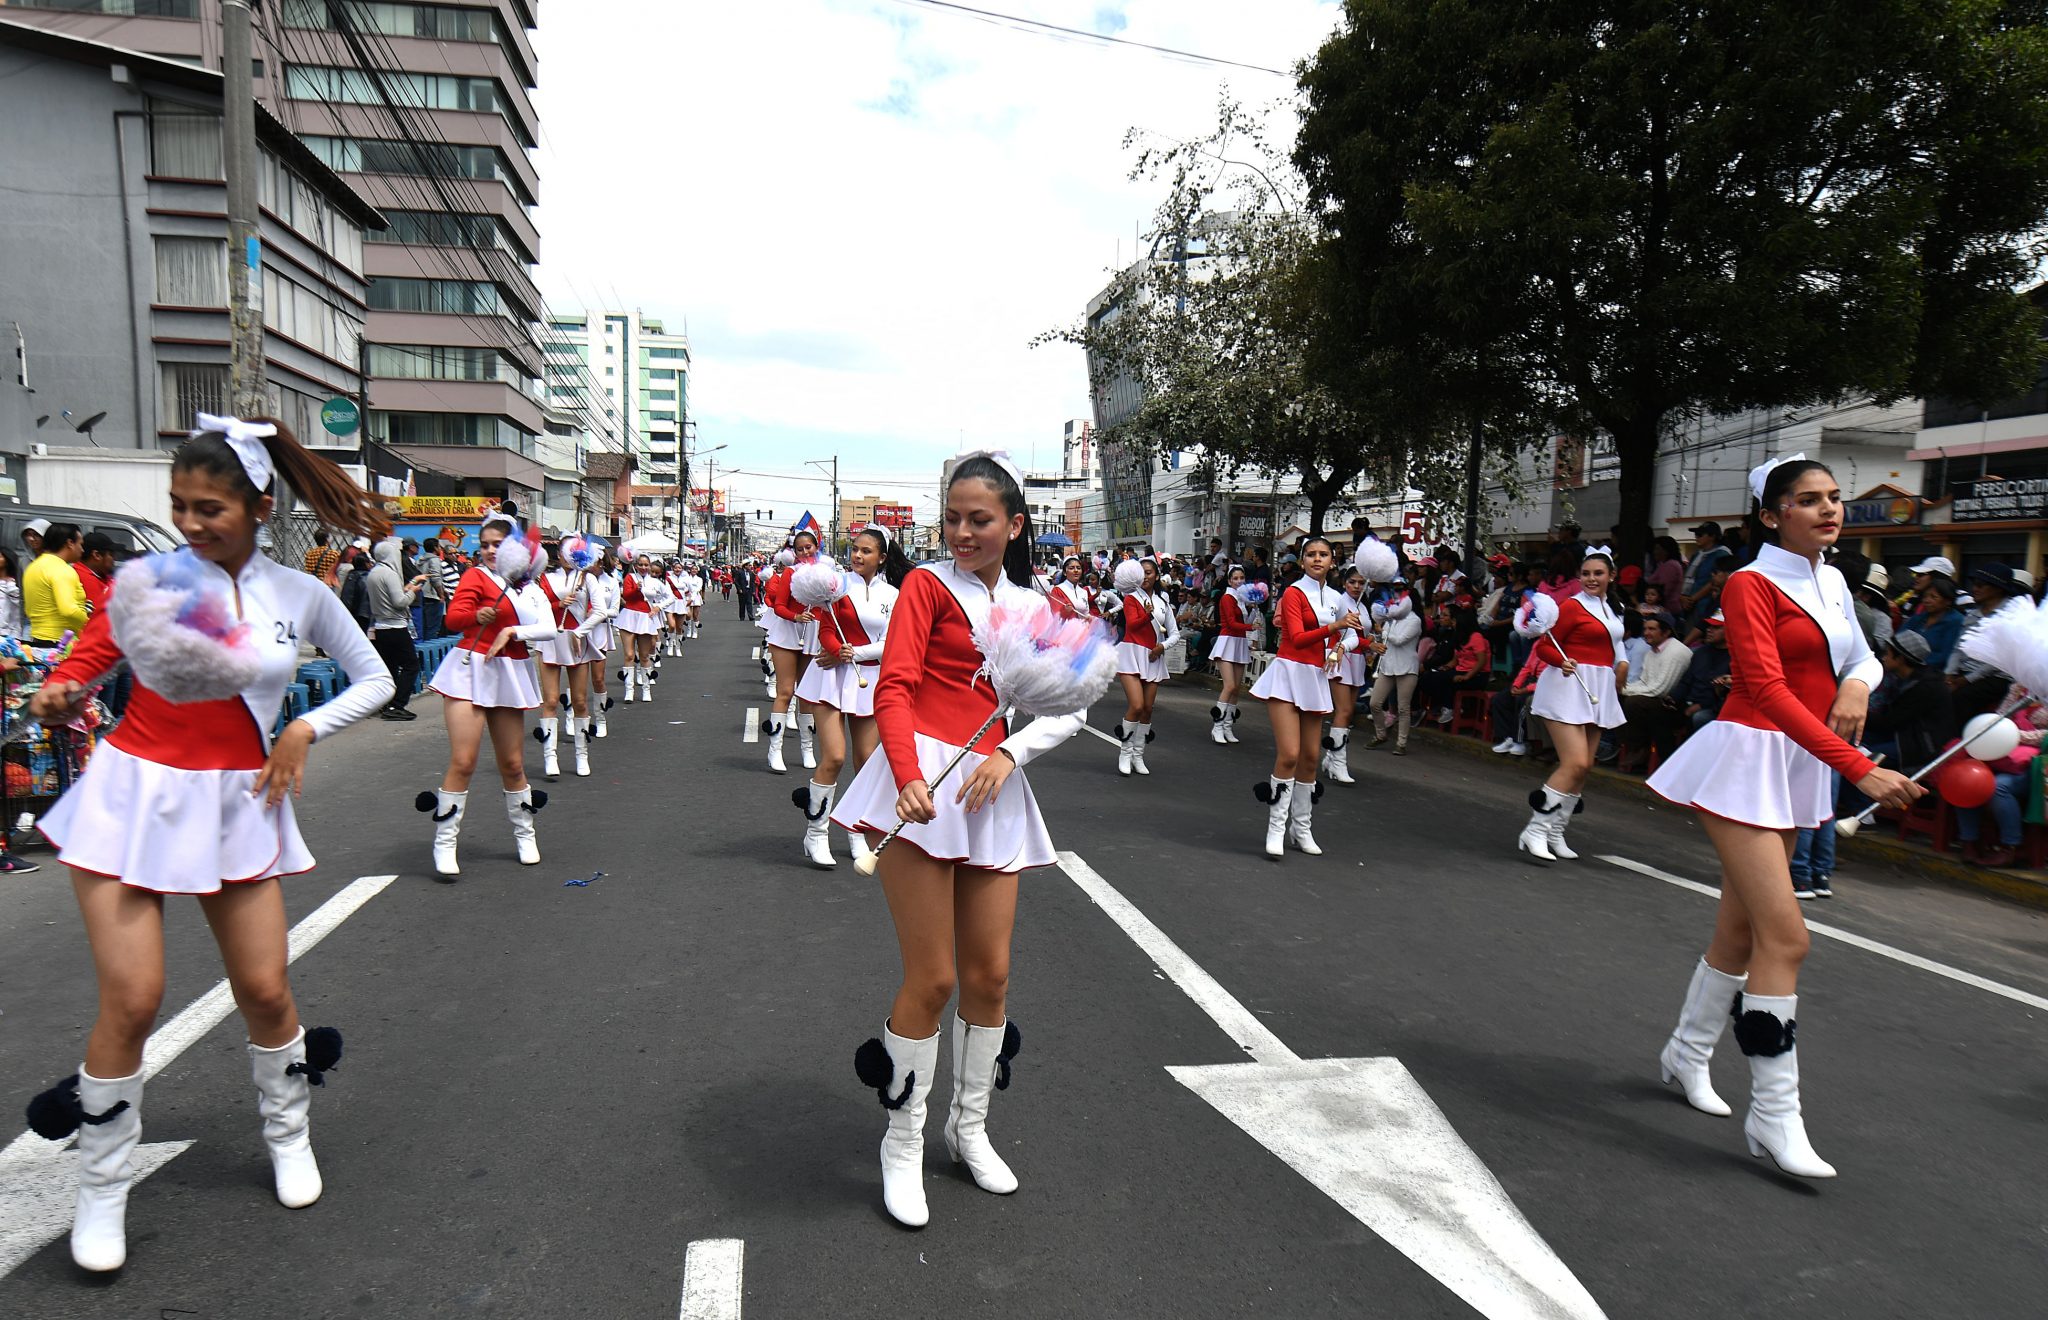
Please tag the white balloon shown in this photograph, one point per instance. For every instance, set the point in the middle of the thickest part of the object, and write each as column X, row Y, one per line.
column 1989, row 737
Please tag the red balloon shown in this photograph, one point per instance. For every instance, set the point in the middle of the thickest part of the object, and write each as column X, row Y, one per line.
column 1967, row 783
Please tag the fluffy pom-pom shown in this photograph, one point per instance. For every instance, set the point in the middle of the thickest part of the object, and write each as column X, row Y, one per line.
column 1253, row 594
column 1376, row 560
column 426, row 801
column 1129, row 576
column 1013, row 1045
column 785, row 557
column 323, row 1051
column 1536, row 615
column 872, row 1065
column 174, row 620
column 2014, row 642
column 1762, row 1033
column 55, row 1114
column 816, row 583
column 514, row 561
column 1041, row 664
column 579, row 551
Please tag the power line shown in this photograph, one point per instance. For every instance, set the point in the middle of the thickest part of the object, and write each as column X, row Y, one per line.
column 1054, row 29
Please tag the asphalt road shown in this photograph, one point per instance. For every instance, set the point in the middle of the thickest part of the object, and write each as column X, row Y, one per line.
column 551, row 1091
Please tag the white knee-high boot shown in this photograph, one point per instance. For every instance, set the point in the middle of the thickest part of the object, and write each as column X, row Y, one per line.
column 1574, row 803
column 1338, row 759
column 857, row 845
column 520, row 804
column 1765, row 1027
column 1300, row 808
column 816, row 801
column 600, row 702
column 981, row 1067
column 1230, row 723
column 107, row 1115
column 1124, row 755
column 1709, row 1001
column 631, row 677
column 1544, row 803
column 580, row 728
column 1142, row 734
column 446, row 809
column 772, row 735
column 1275, row 793
column 807, row 739
column 901, row 1072
column 285, row 1077
column 550, row 755
column 1219, row 724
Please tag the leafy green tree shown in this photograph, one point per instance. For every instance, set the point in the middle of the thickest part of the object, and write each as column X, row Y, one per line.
column 1629, row 212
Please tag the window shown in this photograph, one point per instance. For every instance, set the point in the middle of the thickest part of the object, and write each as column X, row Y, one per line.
column 682, row 354
column 661, row 375
column 662, row 416
column 192, row 272
column 383, row 156
column 125, row 8
column 461, row 297
column 188, row 390
column 440, row 229
column 304, row 316
column 434, row 22
column 185, row 145
column 425, row 91
column 611, row 371
column 403, row 428
column 662, row 396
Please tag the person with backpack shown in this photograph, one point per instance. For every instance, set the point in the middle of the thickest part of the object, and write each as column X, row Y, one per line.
column 355, row 587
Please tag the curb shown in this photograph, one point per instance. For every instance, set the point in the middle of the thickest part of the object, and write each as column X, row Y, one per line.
column 2028, row 887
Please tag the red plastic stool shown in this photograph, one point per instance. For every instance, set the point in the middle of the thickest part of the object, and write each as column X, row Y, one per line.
column 1932, row 817
column 1471, row 713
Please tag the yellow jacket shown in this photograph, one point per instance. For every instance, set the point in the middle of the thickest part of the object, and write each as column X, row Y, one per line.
column 52, row 598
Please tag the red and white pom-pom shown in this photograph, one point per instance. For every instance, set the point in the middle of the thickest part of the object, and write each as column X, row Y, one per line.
column 1129, row 576
column 1042, row 664
column 172, row 617
column 1536, row 615
column 514, row 561
column 1376, row 560
column 2013, row 641
column 818, row 582
column 785, row 557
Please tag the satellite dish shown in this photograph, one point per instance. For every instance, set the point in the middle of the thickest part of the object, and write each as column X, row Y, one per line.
column 41, row 421
column 90, row 422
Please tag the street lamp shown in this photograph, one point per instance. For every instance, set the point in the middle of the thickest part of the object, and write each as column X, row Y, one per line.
column 710, row 493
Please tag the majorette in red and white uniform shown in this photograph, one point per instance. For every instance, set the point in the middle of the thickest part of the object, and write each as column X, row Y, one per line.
column 1070, row 600
column 1351, row 663
column 1792, row 641
column 1589, row 630
column 568, row 595
column 1297, row 676
column 1148, row 622
column 601, row 592
column 1233, row 630
column 636, row 609
column 508, row 679
column 863, row 615
column 785, row 629
column 165, row 803
column 927, row 703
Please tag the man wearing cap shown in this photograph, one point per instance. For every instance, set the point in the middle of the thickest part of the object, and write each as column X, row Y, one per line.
column 32, row 537
column 1932, row 567
column 1978, row 686
column 1707, row 678
column 1707, row 552
column 1873, row 607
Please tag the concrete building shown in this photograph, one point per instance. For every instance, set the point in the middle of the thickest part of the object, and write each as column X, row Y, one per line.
column 636, row 367
column 113, row 271
column 453, row 367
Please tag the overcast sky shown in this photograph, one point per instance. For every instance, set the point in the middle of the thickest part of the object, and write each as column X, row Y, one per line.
column 865, row 209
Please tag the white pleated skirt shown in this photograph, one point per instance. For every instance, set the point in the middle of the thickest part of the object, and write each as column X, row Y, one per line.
column 1559, row 697
column 839, row 687
column 600, row 640
column 1006, row 835
column 1235, row 650
column 1132, row 658
column 1305, row 687
column 1351, row 670
column 1755, row 776
column 785, row 633
column 638, row 622
column 173, row 831
column 562, row 649
column 467, row 676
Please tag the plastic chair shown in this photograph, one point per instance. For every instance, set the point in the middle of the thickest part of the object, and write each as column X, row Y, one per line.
column 1932, row 817
column 1470, row 713
column 319, row 681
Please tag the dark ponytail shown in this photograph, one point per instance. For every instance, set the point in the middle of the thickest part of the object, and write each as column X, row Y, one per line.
column 335, row 500
column 1779, row 480
column 1017, row 558
column 895, row 564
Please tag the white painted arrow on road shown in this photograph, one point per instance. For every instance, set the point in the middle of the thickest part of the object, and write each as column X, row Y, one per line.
column 39, row 1178
column 1370, row 1138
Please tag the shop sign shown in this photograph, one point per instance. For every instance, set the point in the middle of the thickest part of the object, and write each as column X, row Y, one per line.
column 429, row 508
column 896, row 517
column 1897, row 511
column 1998, row 500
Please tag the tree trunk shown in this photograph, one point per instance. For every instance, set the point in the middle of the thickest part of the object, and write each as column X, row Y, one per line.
column 1322, row 489
column 1635, row 443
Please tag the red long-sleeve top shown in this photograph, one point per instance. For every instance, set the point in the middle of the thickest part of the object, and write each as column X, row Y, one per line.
column 1583, row 635
column 781, row 601
column 194, row 735
column 630, row 595
column 1230, row 618
column 849, row 623
column 1063, row 603
column 1138, row 626
column 476, row 591
column 1303, row 635
column 927, row 680
column 1784, row 672
column 565, row 619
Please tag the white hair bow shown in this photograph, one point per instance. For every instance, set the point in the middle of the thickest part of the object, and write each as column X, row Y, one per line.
column 246, row 439
column 1761, row 473
column 1001, row 458
column 1603, row 551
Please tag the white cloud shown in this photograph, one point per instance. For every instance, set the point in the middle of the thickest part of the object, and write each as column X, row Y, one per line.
column 865, row 209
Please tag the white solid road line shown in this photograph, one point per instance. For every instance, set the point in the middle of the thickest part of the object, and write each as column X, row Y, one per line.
column 751, row 730
column 1370, row 1138
column 1851, row 938
column 39, row 1178
column 711, row 1279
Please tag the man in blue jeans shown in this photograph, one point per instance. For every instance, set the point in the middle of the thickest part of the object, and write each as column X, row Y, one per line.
column 1813, row 857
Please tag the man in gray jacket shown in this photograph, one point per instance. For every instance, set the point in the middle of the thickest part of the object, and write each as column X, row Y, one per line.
column 391, row 602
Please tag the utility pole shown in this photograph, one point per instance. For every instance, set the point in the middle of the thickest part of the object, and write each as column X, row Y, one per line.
column 245, row 248
column 835, row 505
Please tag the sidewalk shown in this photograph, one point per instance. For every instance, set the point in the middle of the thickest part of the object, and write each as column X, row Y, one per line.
column 1877, row 843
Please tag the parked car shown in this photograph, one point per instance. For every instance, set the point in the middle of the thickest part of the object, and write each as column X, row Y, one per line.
column 131, row 535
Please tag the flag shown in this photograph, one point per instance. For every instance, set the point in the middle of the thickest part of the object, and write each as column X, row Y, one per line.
column 805, row 524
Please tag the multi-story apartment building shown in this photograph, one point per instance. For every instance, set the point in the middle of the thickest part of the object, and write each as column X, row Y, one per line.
column 630, row 364
column 425, row 110
column 114, row 270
